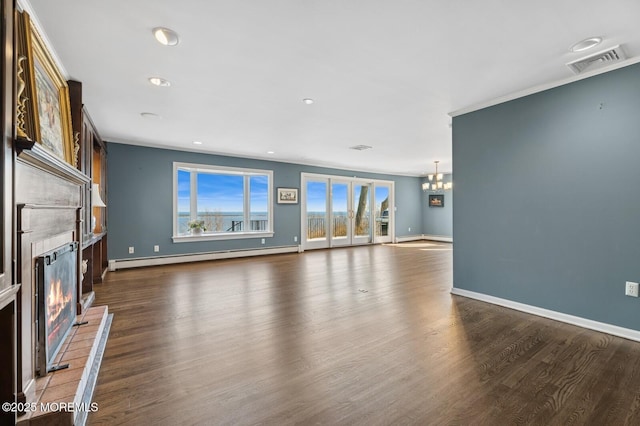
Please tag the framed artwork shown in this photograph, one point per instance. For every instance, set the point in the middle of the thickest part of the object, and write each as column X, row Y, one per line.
column 287, row 196
column 436, row 200
column 43, row 110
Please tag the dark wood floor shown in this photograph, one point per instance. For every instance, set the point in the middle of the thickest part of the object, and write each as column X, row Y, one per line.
column 365, row 336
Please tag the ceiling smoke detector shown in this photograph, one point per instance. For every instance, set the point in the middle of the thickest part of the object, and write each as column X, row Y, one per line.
column 598, row 60
column 360, row 147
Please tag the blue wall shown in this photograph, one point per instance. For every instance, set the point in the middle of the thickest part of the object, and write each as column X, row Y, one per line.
column 548, row 201
column 140, row 201
column 438, row 220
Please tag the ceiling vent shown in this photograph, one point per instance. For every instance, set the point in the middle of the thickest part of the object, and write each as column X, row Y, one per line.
column 598, row 60
column 360, row 147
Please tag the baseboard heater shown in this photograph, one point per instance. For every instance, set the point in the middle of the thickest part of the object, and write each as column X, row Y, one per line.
column 115, row 264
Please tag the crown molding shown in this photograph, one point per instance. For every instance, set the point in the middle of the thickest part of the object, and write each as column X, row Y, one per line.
column 24, row 5
column 542, row 88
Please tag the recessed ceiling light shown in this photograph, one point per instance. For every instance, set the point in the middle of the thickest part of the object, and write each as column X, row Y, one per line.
column 586, row 44
column 270, row 152
column 149, row 115
column 159, row 81
column 166, row 36
column 307, row 101
column 197, row 143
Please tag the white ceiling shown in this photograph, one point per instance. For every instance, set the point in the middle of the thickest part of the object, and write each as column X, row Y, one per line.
column 382, row 73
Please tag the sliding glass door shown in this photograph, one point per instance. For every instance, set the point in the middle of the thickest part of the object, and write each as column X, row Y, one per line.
column 382, row 212
column 340, row 200
column 361, row 212
column 315, row 226
column 339, row 211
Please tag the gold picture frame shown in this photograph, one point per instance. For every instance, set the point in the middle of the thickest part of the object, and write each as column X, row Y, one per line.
column 43, row 110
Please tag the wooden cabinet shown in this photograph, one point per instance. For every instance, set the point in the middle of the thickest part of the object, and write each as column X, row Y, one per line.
column 94, row 251
column 92, row 161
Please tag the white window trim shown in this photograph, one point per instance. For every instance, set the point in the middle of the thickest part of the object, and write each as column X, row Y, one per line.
column 247, row 173
column 221, row 236
column 304, row 176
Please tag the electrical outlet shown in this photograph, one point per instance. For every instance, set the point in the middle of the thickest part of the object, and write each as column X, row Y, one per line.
column 631, row 289
column 130, row 250
column 263, row 241
column 295, row 239
column 156, row 249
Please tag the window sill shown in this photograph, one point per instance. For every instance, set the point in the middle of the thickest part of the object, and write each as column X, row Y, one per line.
column 215, row 237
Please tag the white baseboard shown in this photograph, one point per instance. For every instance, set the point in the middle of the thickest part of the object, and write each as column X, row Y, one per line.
column 615, row 330
column 115, row 264
column 407, row 238
column 438, row 238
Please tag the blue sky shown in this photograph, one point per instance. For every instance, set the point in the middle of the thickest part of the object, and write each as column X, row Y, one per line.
column 223, row 193
column 316, row 196
column 382, row 193
column 339, row 197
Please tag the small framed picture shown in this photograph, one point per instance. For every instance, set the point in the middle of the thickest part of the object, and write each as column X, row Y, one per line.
column 287, row 195
column 436, row 200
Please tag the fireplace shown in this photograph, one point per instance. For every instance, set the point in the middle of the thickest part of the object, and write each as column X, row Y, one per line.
column 55, row 302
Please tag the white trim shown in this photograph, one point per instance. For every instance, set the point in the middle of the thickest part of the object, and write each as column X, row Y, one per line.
column 438, row 238
column 541, row 88
column 221, row 236
column 424, row 237
column 407, row 238
column 329, row 179
column 615, row 330
column 391, row 228
column 26, row 7
column 193, row 198
column 221, row 170
column 246, row 174
column 270, row 159
column 115, row 264
column 343, row 177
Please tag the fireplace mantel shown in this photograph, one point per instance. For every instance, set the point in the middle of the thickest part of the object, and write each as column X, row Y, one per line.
column 49, row 202
column 34, row 154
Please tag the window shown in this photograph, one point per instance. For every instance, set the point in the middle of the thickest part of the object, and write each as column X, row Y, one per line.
column 230, row 202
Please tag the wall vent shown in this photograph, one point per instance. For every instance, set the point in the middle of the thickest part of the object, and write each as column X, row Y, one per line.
column 598, row 60
column 360, row 147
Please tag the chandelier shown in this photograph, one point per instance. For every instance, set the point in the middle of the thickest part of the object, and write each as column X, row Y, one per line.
column 436, row 182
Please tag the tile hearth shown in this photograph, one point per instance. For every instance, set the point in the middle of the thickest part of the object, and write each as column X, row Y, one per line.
column 64, row 397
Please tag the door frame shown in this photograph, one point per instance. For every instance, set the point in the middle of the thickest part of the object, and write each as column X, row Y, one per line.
column 329, row 179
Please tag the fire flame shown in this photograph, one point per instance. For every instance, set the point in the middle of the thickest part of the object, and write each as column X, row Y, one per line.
column 56, row 301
